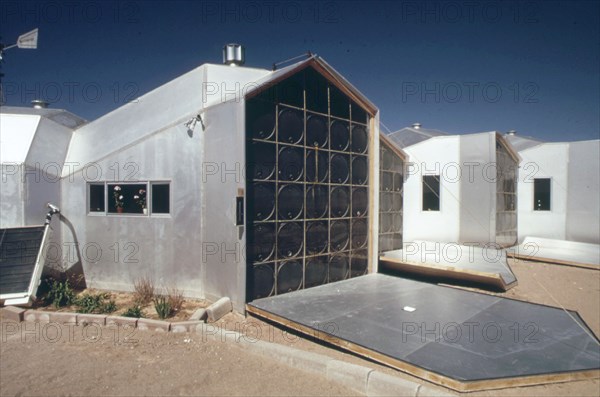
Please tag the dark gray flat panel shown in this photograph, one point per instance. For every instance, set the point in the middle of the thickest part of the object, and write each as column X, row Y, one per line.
column 19, row 249
column 462, row 335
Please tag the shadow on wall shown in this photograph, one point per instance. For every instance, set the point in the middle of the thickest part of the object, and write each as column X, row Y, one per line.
column 57, row 268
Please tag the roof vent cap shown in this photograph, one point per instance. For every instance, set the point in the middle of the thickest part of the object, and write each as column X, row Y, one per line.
column 234, row 55
column 511, row 132
column 416, row 126
column 39, row 104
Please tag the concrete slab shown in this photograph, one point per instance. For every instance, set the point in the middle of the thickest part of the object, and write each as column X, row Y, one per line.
column 146, row 324
column 63, row 318
column 121, row 321
column 86, row 319
column 37, row 316
column 13, row 313
column 199, row 315
column 218, row 309
column 386, row 385
column 185, row 326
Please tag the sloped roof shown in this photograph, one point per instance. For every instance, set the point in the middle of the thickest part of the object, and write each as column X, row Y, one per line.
column 157, row 109
column 37, row 136
column 394, row 146
column 408, row 136
column 16, row 135
column 522, row 142
column 322, row 67
column 168, row 105
column 59, row 116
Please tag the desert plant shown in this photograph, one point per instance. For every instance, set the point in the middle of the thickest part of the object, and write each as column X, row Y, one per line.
column 60, row 294
column 162, row 306
column 175, row 299
column 109, row 307
column 95, row 303
column 134, row 311
column 143, row 291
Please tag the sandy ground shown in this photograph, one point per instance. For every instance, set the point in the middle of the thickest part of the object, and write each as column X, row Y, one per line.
column 156, row 364
column 181, row 364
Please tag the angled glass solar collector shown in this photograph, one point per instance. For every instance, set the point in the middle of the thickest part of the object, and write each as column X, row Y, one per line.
column 459, row 339
column 19, row 249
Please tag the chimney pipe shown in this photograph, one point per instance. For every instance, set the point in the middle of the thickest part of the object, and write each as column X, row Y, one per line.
column 416, row 126
column 39, row 104
column 234, row 54
column 511, row 132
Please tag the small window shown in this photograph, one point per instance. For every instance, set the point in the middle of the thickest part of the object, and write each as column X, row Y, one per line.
column 160, row 198
column 97, row 197
column 431, row 192
column 541, row 194
column 127, row 198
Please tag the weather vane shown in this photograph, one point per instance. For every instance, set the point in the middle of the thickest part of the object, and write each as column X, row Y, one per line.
column 26, row 40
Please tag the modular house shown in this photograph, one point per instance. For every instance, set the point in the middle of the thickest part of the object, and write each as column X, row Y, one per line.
column 227, row 181
column 559, row 189
column 459, row 188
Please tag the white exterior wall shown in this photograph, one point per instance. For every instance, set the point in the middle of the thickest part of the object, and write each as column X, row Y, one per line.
column 477, row 188
column 11, row 196
column 149, row 136
column 224, row 162
column 549, row 160
column 429, row 158
column 575, row 199
column 16, row 134
column 33, row 150
column 583, row 200
column 115, row 250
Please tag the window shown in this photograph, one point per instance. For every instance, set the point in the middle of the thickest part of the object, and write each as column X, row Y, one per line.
column 431, row 192
column 126, row 198
column 160, row 198
column 97, row 197
column 541, row 194
column 129, row 198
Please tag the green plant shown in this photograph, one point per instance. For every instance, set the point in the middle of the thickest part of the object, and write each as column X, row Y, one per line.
column 134, row 311
column 95, row 303
column 143, row 291
column 162, row 306
column 109, row 307
column 60, row 294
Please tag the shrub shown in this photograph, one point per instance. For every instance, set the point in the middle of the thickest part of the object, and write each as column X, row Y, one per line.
column 95, row 303
column 134, row 311
column 60, row 294
column 143, row 291
column 175, row 299
column 162, row 306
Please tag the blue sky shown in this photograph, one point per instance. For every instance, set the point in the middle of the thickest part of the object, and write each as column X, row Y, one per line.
column 456, row 66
